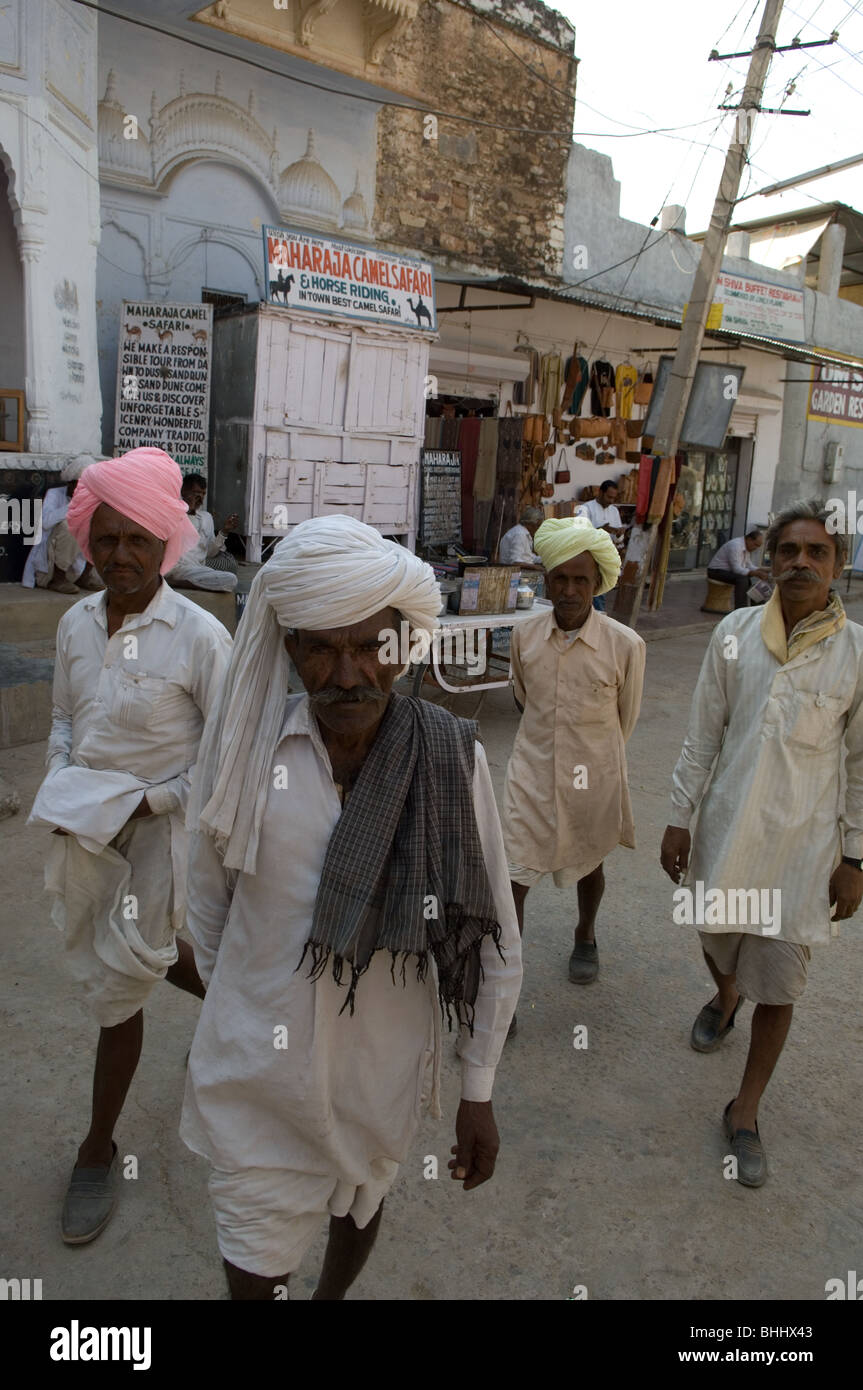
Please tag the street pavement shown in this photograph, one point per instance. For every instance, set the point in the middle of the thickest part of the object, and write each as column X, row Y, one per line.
column 610, row 1174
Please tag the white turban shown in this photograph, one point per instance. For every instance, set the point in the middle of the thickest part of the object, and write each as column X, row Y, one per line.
column 562, row 538
column 74, row 467
column 331, row 571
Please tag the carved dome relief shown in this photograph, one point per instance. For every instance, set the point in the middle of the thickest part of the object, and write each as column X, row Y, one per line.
column 209, row 125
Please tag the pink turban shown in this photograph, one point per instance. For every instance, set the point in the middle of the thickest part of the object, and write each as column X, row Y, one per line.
column 145, row 486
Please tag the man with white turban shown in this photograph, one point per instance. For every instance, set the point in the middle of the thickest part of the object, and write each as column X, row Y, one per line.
column 56, row 561
column 578, row 677
column 347, row 888
column 136, row 671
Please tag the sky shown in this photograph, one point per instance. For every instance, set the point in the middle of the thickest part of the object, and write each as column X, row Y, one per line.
column 647, row 66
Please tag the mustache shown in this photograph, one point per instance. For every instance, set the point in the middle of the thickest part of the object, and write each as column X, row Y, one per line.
column 799, row 574
column 358, row 695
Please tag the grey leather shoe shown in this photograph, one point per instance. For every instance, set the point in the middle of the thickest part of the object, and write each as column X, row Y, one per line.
column 747, row 1148
column 706, row 1033
column 584, row 963
column 89, row 1204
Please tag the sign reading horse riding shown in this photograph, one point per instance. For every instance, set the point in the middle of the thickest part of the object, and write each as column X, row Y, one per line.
column 325, row 275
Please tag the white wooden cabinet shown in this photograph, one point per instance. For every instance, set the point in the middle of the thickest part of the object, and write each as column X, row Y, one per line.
column 335, row 426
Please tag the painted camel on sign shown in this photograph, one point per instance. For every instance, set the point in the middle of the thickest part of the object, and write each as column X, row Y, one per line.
column 421, row 310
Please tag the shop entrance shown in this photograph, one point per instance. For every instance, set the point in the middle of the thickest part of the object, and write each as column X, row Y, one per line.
column 704, row 505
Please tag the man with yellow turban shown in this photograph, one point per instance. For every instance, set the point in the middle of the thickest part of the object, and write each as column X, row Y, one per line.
column 578, row 678
column 348, row 888
column 137, row 668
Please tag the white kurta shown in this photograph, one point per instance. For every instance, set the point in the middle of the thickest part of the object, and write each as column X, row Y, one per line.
column 127, row 718
column 192, row 567
column 516, row 548
column 55, row 505
column 209, row 543
column 347, row 1093
column 770, row 818
column 600, row 516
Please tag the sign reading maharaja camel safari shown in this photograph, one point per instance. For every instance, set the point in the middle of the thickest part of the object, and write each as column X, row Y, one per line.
column 326, row 275
column 163, row 381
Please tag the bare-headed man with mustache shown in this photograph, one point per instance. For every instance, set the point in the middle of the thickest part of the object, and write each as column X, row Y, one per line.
column 774, row 864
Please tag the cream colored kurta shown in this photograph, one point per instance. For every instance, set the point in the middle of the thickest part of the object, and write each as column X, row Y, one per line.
column 345, row 1096
column 581, row 695
column 771, row 816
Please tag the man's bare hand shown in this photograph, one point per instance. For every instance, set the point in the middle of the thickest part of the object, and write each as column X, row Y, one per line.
column 142, row 809
column 477, row 1143
column 846, row 890
column 674, row 854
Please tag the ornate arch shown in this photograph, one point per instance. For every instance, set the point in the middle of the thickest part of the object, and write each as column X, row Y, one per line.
column 222, row 237
column 182, row 159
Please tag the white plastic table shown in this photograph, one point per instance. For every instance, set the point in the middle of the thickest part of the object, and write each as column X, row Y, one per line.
column 453, row 624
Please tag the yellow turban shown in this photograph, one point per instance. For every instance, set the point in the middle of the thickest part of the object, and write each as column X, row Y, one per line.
column 562, row 538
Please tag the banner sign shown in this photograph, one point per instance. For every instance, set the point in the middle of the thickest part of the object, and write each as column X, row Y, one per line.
column 755, row 306
column 836, row 393
column 163, row 381
column 323, row 274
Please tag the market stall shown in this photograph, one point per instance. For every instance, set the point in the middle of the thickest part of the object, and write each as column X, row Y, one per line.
column 319, row 394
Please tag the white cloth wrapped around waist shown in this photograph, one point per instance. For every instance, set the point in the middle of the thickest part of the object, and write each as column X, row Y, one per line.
column 91, row 805
column 117, row 914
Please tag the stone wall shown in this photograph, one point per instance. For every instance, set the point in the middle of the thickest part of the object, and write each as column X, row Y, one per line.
column 462, row 192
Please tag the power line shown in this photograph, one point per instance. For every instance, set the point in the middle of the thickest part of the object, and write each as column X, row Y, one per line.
column 558, row 91
column 330, row 91
column 730, row 26
column 828, row 67
column 635, row 259
column 844, row 20
column 819, row 6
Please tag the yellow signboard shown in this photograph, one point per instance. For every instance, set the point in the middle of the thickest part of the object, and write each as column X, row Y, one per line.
column 714, row 318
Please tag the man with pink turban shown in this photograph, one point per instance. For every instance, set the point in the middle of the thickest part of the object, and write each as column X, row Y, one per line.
column 137, row 669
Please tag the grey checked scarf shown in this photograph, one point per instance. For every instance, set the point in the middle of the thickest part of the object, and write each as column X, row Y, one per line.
column 408, row 834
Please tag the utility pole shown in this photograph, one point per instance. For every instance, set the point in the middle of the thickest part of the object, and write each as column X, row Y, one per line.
column 642, row 541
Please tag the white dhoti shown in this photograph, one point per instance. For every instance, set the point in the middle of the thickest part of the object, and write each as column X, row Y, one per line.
column 203, row 577
column 266, row 1218
column 116, row 911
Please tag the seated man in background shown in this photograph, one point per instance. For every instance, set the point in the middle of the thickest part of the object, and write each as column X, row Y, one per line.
column 56, row 561
column 516, row 546
column 208, row 565
column 731, row 564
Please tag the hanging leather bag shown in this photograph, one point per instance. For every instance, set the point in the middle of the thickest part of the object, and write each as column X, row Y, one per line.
column 561, row 474
column 547, row 488
column 644, row 389
column 593, row 427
